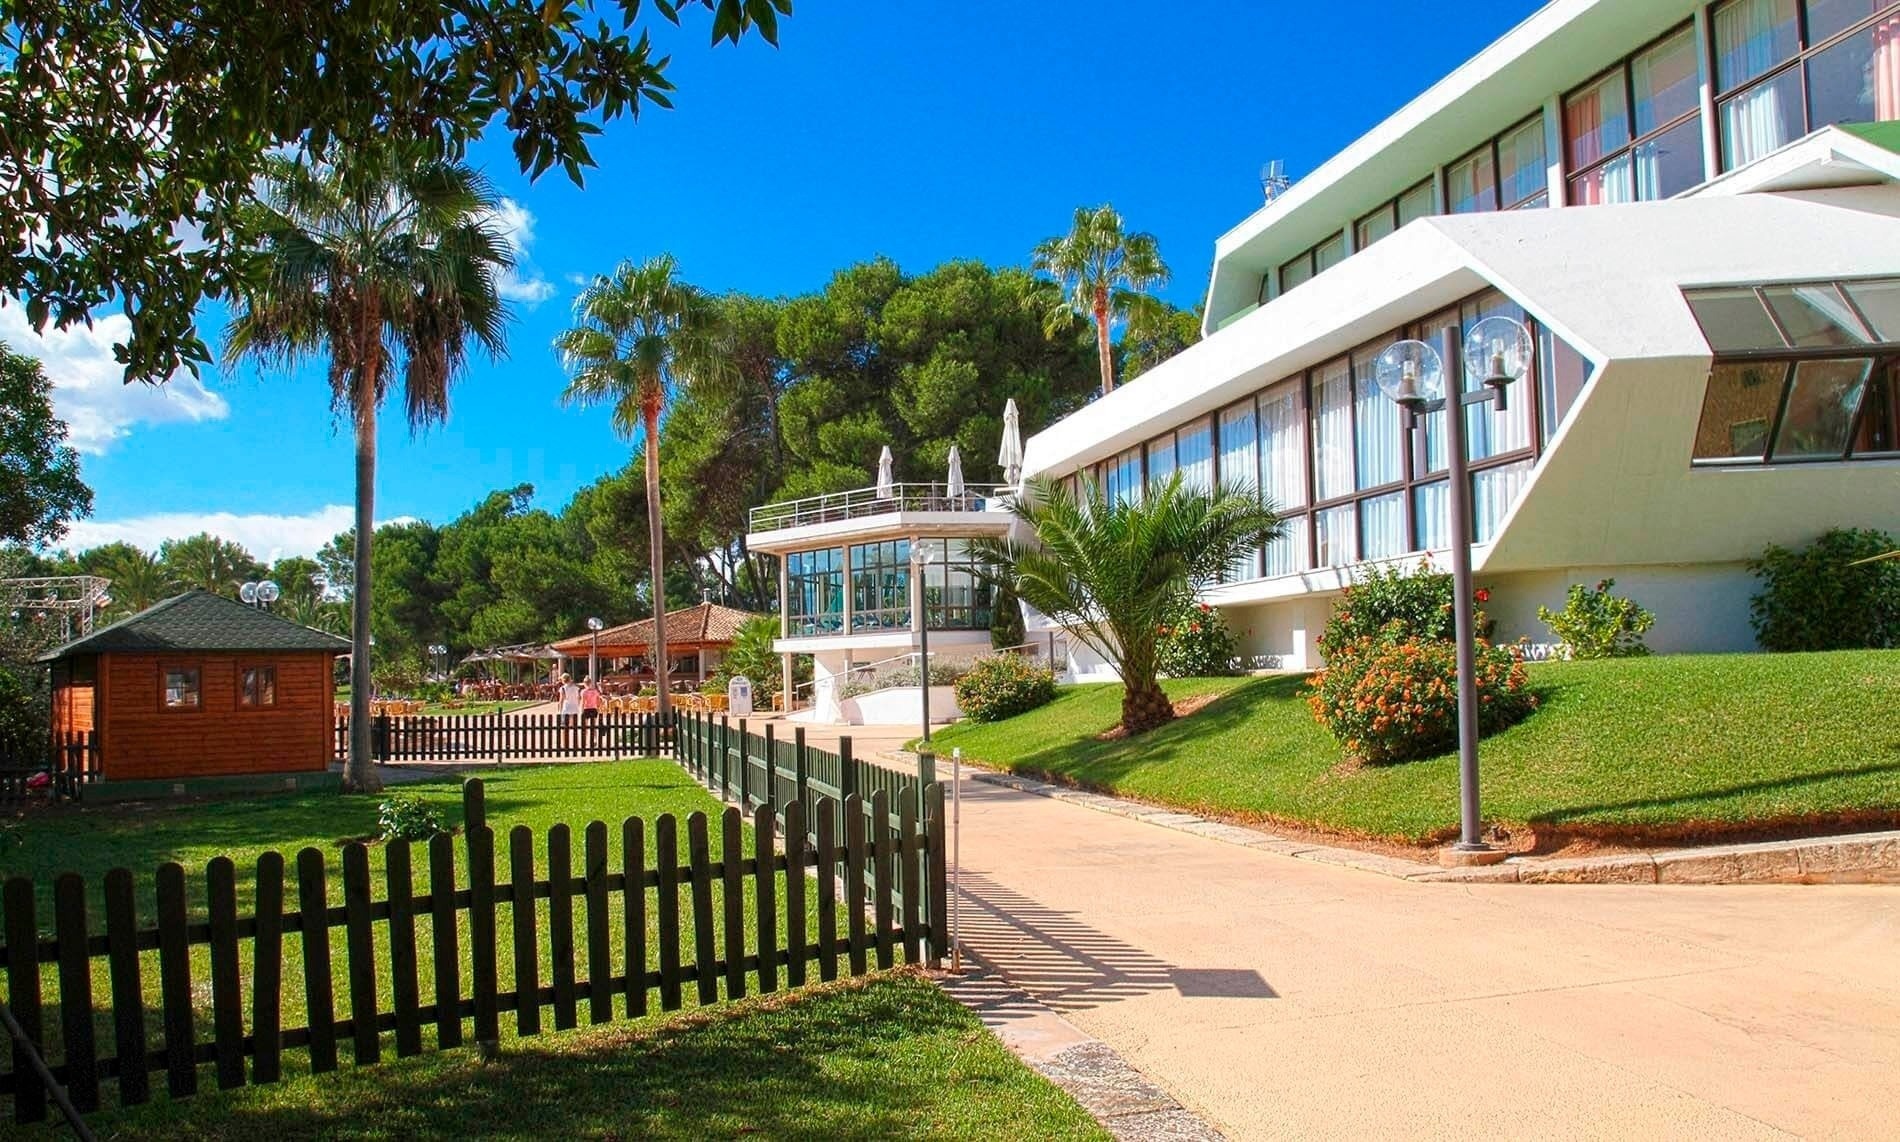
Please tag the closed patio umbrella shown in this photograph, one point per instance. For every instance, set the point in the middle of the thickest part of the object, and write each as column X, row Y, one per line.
column 886, row 479
column 1010, row 456
column 955, row 480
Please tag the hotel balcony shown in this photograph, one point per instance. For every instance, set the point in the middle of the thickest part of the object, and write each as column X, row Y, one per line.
column 893, row 511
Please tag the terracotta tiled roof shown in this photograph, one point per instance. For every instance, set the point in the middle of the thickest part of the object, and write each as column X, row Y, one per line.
column 199, row 620
column 707, row 624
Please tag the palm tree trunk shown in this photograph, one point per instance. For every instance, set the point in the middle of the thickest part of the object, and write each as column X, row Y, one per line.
column 1144, row 706
column 1101, row 342
column 656, row 558
column 359, row 772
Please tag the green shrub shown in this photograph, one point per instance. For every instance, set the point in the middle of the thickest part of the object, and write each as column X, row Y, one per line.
column 1389, row 700
column 1816, row 599
column 22, row 717
column 1399, row 605
column 1004, row 686
column 1196, row 643
column 406, row 817
column 1597, row 624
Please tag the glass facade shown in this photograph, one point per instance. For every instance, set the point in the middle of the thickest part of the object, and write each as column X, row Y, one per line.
column 1803, row 372
column 814, row 600
column 880, row 585
column 956, row 597
column 1332, row 454
column 1787, row 67
column 1635, row 133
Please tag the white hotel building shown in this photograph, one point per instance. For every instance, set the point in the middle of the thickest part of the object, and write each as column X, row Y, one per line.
column 1664, row 191
column 1694, row 207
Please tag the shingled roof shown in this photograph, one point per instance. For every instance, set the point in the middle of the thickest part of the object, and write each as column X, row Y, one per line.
column 707, row 624
column 200, row 621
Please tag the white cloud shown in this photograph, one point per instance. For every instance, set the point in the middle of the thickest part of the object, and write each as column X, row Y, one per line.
column 524, row 283
column 89, row 390
column 268, row 537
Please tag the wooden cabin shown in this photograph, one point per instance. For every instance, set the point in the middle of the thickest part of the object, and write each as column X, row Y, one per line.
column 199, row 686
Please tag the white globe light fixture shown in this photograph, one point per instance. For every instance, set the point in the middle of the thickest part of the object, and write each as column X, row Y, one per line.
column 248, row 593
column 1498, row 351
column 267, row 593
column 1411, row 373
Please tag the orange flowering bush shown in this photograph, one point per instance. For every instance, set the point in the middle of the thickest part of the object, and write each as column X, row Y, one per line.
column 1390, row 700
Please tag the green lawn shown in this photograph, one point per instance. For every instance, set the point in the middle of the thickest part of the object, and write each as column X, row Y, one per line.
column 889, row 1058
column 1660, row 746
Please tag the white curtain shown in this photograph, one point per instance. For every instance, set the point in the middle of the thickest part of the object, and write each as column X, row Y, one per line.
column 1886, row 69
column 1493, row 493
column 1161, row 459
column 1382, row 526
column 1380, row 443
column 1336, row 539
column 1746, row 44
column 1283, row 475
column 1194, row 455
column 1240, row 471
column 1332, row 431
column 1432, row 503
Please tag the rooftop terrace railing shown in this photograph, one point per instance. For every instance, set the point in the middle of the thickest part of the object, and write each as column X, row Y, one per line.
column 862, row 502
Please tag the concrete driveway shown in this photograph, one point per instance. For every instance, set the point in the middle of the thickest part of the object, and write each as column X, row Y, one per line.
column 1282, row 998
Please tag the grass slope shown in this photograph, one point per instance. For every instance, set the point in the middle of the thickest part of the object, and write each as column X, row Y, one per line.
column 893, row 1057
column 1648, row 746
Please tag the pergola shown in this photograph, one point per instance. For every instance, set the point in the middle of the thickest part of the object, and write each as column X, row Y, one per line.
column 520, row 657
column 700, row 631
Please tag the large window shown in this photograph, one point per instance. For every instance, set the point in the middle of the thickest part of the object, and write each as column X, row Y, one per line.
column 814, row 602
column 1313, row 262
column 1121, row 477
column 1787, row 67
column 880, row 585
column 1509, row 172
column 1803, row 372
column 1333, row 456
column 1415, row 203
column 956, row 597
column 1635, row 133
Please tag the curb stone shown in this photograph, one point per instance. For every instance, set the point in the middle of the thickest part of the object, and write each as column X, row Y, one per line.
column 1127, row 1103
column 1860, row 858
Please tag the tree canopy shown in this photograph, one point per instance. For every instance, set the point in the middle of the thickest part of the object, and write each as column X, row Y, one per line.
column 40, row 488
column 132, row 134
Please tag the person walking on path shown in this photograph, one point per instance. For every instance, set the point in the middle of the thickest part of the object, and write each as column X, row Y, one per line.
column 590, row 701
column 570, row 698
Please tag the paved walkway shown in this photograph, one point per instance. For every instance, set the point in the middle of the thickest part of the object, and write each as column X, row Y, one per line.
column 1282, row 998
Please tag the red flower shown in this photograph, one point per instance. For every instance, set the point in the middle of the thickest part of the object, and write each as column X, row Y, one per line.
column 1483, row 595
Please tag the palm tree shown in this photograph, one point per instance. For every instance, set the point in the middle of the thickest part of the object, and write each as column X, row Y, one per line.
column 208, row 563
column 388, row 267
column 1115, row 571
column 638, row 335
column 138, row 577
column 1104, row 269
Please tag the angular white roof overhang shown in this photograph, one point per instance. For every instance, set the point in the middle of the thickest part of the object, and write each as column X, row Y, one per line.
column 1608, row 279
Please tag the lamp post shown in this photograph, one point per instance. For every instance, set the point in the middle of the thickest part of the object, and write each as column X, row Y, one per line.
column 1414, row 375
column 439, row 657
column 593, row 651
column 260, row 594
column 920, row 558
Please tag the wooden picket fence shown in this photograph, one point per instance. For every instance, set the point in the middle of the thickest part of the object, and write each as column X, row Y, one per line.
column 509, row 737
column 71, row 761
column 765, row 769
column 863, row 863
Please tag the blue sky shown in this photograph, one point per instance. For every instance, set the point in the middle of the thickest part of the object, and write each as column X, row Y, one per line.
column 912, row 130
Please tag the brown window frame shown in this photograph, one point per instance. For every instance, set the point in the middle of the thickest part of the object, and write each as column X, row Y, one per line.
column 1806, row 49
column 1704, row 49
column 243, row 689
column 198, row 671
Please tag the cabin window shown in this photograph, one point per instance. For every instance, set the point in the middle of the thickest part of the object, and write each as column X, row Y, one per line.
column 257, row 686
column 182, row 688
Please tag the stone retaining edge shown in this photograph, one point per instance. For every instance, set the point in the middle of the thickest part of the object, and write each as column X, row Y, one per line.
column 1859, row 858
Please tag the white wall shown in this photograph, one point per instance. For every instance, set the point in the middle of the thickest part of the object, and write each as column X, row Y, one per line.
column 1699, row 609
column 900, row 706
column 1286, row 633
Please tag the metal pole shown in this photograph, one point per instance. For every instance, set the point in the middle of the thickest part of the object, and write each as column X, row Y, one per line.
column 1469, row 839
column 919, row 569
column 593, row 660
column 956, row 858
